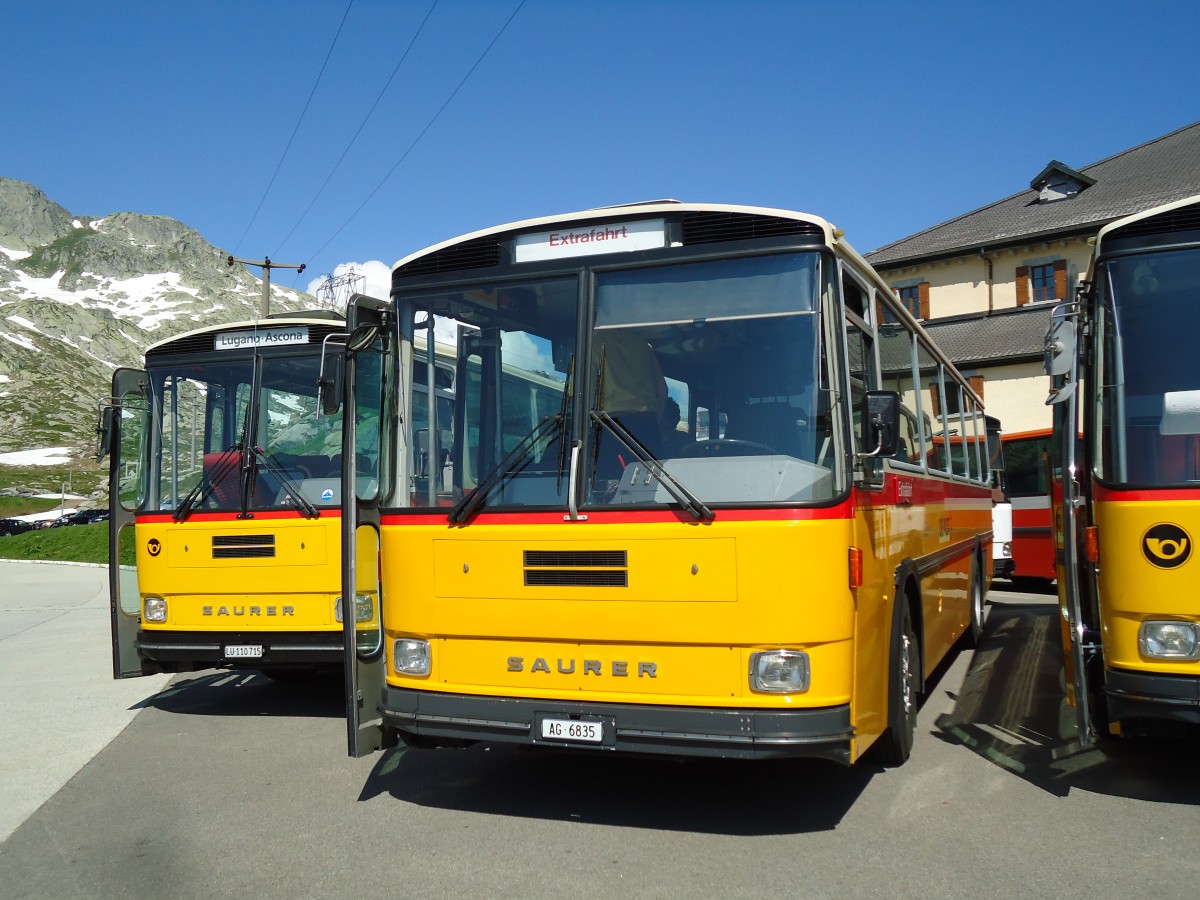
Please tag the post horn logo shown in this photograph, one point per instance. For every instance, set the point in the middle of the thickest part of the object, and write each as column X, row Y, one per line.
column 153, row 547
column 1166, row 546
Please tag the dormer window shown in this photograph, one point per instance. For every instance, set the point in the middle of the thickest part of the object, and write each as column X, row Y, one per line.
column 1059, row 182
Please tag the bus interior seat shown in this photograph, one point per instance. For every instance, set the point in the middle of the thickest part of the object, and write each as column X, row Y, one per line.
column 223, row 470
column 634, row 392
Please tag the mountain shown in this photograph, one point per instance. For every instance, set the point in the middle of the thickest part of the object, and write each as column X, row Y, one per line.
column 81, row 296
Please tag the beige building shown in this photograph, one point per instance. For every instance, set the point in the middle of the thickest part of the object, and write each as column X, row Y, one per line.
column 984, row 283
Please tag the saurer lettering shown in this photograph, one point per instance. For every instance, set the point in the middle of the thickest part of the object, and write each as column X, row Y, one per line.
column 618, row 668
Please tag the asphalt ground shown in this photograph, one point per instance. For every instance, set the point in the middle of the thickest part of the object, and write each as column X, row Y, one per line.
column 228, row 784
column 59, row 704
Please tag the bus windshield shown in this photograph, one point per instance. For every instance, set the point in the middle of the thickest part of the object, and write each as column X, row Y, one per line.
column 202, row 420
column 702, row 383
column 714, row 368
column 1149, row 384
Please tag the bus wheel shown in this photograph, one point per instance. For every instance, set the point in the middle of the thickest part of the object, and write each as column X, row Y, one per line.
column 974, row 633
column 895, row 744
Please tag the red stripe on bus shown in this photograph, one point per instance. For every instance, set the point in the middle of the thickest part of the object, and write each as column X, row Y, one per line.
column 168, row 518
column 843, row 510
column 1143, row 495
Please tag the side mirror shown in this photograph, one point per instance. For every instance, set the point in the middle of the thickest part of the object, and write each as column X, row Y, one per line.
column 881, row 422
column 1058, row 348
column 104, row 433
column 361, row 338
column 330, row 382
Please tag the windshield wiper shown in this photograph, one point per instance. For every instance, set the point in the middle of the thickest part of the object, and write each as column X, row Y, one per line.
column 682, row 495
column 198, row 494
column 463, row 509
column 289, row 486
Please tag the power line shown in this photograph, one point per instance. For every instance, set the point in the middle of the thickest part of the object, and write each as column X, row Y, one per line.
column 361, row 125
column 428, row 125
column 279, row 165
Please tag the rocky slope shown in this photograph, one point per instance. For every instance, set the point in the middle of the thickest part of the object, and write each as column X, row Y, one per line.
column 81, row 296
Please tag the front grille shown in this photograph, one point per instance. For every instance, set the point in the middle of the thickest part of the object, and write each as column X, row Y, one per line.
column 576, row 578
column 593, row 558
column 243, row 546
column 576, row 568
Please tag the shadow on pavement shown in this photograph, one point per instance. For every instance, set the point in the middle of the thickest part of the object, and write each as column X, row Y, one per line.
column 1012, row 711
column 250, row 693
column 694, row 795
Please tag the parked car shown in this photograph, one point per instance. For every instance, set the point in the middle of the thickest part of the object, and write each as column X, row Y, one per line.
column 14, row 526
column 81, row 517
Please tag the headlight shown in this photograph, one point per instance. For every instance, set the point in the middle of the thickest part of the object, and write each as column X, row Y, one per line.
column 154, row 609
column 1006, row 549
column 1169, row 640
column 410, row 656
column 779, row 672
column 364, row 608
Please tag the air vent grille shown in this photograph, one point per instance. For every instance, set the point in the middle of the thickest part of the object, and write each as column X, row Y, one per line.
column 480, row 253
column 1186, row 218
column 716, row 227
column 203, row 343
column 243, row 546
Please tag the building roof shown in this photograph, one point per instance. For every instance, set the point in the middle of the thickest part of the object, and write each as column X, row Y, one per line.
column 1004, row 336
column 1151, row 174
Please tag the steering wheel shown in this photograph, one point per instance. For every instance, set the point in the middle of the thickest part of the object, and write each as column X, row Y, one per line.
column 728, row 447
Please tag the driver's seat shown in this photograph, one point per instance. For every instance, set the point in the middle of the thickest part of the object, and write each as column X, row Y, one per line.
column 772, row 424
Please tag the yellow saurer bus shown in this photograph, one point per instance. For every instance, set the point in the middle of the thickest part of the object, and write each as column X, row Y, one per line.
column 1121, row 358
column 715, row 527
column 228, row 484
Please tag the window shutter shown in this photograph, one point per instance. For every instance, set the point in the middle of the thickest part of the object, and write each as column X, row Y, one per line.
column 923, row 297
column 1060, row 279
column 976, row 382
column 934, row 395
column 1022, row 285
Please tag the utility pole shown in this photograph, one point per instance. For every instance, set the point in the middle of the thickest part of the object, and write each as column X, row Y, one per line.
column 266, row 265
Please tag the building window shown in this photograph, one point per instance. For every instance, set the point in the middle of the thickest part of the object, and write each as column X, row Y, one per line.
column 915, row 298
column 911, row 298
column 1043, row 282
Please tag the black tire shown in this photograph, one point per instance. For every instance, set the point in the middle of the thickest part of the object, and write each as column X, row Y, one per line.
column 974, row 633
column 895, row 745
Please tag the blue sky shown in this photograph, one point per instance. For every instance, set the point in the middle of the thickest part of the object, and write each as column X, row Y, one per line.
column 885, row 118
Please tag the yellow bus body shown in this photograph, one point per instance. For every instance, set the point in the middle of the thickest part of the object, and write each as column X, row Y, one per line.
column 1133, row 590
column 700, row 600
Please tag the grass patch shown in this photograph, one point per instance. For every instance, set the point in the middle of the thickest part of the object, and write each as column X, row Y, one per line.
column 11, row 507
column 75, row 543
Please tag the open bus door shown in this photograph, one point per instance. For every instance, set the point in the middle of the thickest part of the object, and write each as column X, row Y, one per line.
column 1062, row 365
column 356, row 376
column 122, row 438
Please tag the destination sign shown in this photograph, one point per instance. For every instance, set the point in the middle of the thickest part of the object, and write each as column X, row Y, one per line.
column 591, row 240
column 257, row 338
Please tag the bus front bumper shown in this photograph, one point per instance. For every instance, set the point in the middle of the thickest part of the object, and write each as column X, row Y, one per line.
column 430, row 716
column 189, row 651
column 1175, row 698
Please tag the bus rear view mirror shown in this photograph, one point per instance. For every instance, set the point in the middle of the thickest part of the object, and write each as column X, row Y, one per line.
column 361, row 338
column 1058, row 349
column 329, row 383
column 104, row 433
column 881, row 423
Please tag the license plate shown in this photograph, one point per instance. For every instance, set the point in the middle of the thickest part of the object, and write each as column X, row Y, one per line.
column 573, row 730
column 244, row 651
